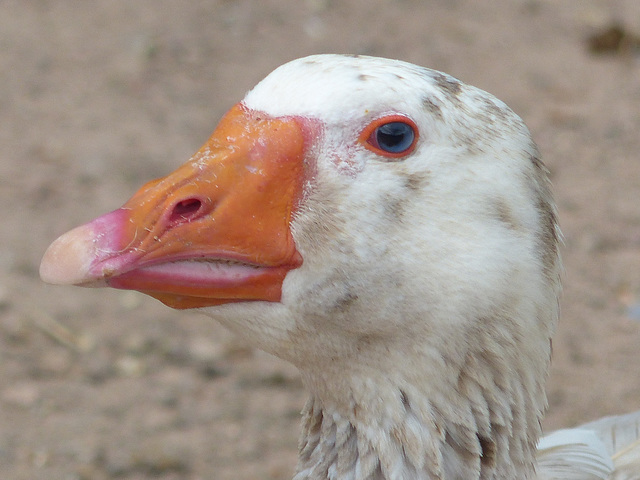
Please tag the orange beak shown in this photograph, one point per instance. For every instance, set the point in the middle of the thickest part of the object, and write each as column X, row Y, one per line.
column 216, row 230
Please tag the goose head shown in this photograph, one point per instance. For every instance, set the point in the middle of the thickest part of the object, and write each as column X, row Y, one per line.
column 384, row 227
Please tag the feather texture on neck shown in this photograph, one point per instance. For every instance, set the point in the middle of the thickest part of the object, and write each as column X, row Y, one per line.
column 478, row 419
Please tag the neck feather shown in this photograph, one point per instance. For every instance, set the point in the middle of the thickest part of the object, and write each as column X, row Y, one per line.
column 481, row 422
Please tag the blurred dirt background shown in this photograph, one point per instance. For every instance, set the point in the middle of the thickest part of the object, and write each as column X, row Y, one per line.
column 98, row 97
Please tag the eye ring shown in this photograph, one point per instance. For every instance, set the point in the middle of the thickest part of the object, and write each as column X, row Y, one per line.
column 391, row 136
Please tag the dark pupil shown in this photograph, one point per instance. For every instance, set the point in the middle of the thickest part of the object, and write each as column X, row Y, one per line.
column 394, row 137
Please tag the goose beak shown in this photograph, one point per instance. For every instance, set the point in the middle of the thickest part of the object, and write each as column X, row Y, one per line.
column 216, row 230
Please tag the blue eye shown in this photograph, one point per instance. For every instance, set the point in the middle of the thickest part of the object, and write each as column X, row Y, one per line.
column 393, row 136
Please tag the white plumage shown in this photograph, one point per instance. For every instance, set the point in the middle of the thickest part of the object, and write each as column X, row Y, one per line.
column 421, row 311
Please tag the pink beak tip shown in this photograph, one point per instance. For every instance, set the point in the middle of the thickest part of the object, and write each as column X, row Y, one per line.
column 68, row 259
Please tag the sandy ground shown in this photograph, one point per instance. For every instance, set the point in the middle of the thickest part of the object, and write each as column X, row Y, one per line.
column 97, row 97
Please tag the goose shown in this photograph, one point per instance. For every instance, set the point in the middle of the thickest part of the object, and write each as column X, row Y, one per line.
column 391, row 232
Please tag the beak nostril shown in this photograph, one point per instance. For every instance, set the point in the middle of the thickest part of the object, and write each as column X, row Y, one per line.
column 185, row 211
